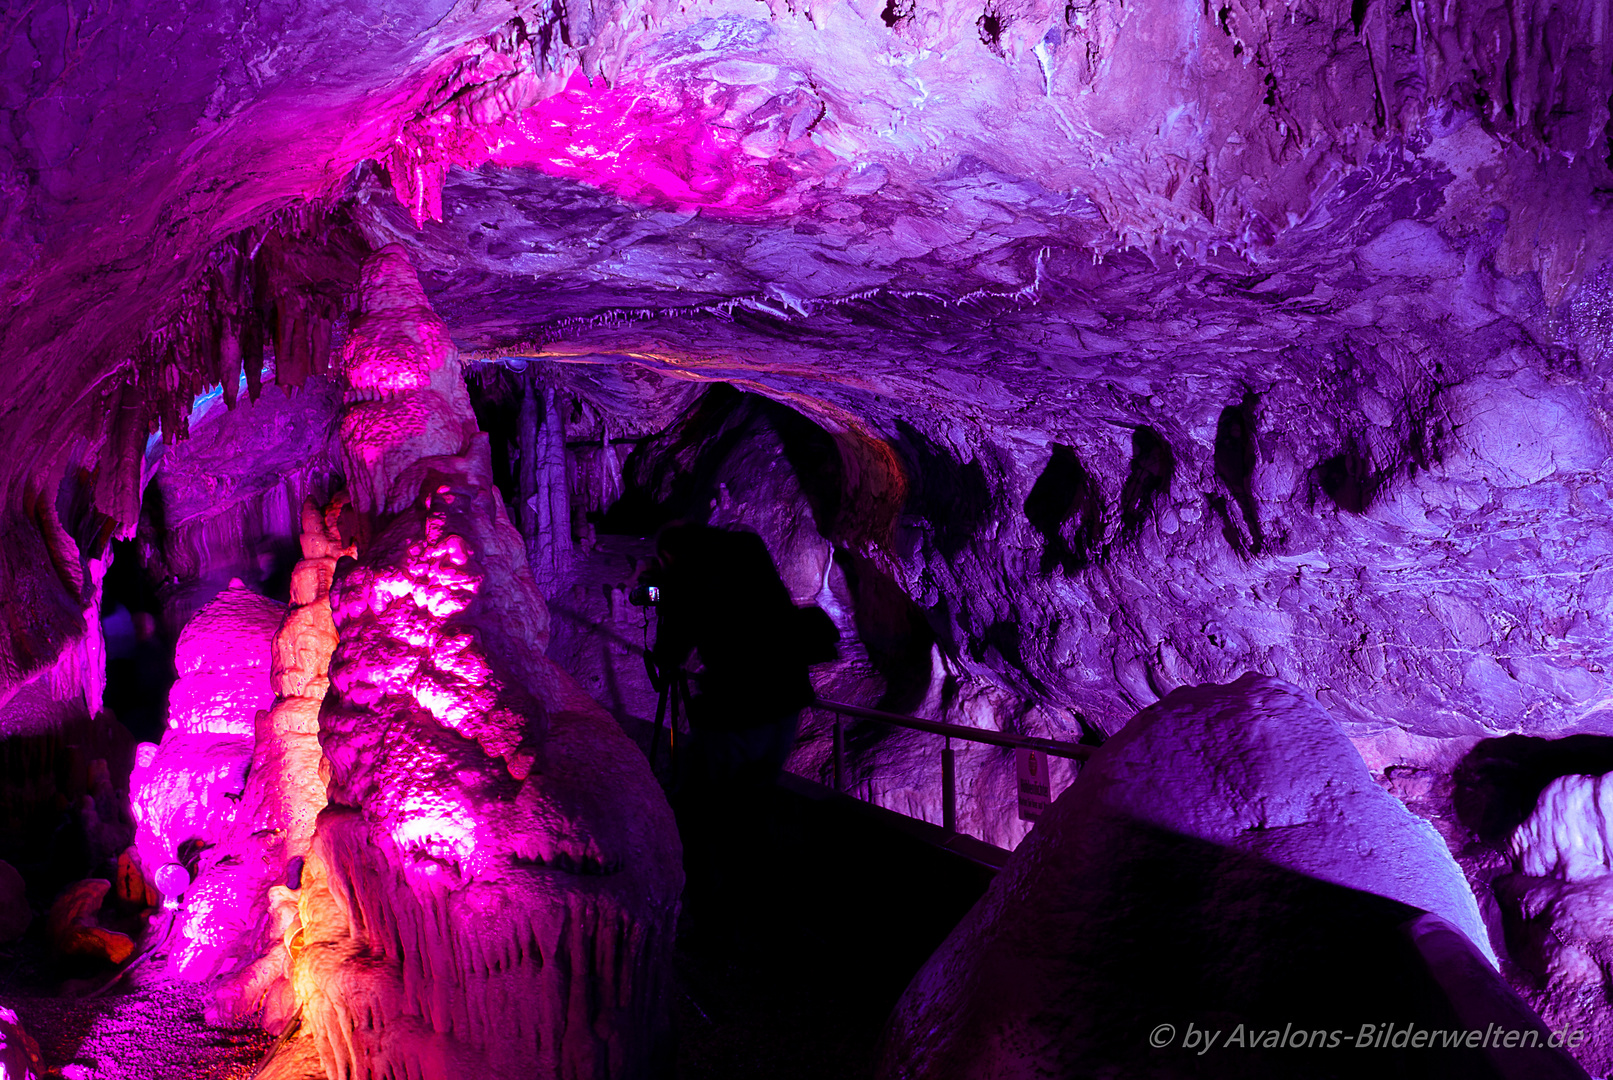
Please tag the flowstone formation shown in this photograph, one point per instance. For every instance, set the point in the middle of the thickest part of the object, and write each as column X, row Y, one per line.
column 492, row 889
column 186, row 791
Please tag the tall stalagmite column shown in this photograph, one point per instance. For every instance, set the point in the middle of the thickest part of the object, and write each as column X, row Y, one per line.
column 492, row 889
column 285, row 786
column 544, row 444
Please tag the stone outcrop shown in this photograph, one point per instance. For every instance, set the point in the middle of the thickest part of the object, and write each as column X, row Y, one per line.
column 74, row 929
column 1557, row 907
column 1225, row 859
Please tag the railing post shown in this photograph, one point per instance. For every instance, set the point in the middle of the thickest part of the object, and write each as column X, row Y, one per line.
column 839, row 754
column 949, row 790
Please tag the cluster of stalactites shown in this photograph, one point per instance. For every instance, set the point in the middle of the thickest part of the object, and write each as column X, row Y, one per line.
column 495, row 78
column 280, row 289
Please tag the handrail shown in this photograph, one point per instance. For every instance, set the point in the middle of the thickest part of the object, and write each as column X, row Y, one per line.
column 1075, row 751
column 949, row 769
column 675, row 691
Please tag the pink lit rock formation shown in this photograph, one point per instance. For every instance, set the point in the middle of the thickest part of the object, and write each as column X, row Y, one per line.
column 187, row 790
column 492, row 888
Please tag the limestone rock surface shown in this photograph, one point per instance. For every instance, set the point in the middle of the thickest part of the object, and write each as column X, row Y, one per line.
column 1225, row 859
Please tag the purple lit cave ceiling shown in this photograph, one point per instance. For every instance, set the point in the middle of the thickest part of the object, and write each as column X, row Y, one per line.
column 1220, row 389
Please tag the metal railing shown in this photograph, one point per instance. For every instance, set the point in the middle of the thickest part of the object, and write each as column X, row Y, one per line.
column 675, row 694
column 949, row 772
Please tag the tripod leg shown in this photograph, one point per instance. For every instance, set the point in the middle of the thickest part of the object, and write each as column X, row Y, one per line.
column 660, row 722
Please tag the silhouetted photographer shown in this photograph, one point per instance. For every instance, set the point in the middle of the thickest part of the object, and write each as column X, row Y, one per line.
column 720, row 599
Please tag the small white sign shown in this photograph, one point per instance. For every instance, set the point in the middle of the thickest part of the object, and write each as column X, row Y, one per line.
column 1034, row 791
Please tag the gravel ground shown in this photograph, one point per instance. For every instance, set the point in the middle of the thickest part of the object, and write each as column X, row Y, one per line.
column 150, row 1029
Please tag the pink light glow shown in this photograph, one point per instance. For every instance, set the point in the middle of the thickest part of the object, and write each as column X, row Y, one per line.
column 436, row 826
column 703, row 146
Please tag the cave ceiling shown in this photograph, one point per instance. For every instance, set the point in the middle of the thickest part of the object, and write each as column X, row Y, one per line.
column 744, row 166
column 1005, row 225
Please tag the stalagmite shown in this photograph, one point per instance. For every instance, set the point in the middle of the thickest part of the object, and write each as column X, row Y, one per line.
column 492, row 888
column 186, row 792
column 284, row 790
column 550, row 541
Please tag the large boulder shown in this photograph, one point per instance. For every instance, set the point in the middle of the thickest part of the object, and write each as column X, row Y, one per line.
column 1557, row 904
column 1225, row 864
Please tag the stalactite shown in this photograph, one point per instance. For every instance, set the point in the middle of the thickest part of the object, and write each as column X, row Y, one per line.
column 527, row 473
column 610, row 470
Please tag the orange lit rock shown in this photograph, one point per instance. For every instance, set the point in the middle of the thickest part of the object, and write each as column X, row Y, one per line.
column 131, row 886
column 73, row 929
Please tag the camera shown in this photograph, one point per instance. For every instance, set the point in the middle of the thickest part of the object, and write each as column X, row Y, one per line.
column 644, row 595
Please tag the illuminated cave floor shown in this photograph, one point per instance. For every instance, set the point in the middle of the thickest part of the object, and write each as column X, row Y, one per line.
column 149, row 1028
column 845, row 913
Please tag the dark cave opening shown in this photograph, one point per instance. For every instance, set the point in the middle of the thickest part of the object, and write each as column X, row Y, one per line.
column 139, row 645
column 1148, row 480
column 1236, row 455
column 1066, row 507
